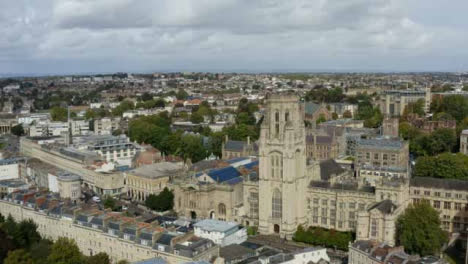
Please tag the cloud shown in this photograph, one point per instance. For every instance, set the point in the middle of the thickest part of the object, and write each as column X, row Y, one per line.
column 206, row 34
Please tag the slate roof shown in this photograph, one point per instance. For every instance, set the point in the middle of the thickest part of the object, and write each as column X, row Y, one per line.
column 319, row 139
column 328, row 168
column 96, row 221
column 146, row 236
column 310, row 108
column 234, row 251
column 385, row 206
column 234, row 145
column 446, row 184
column 224, row 174
column 165, row 239
column 152, row 261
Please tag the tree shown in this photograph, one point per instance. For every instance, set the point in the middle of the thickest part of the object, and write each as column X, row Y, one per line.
column 124, row 106
column 26, row 234
column 446, row 166
column 58, row 113
column 40, row 251
column 181, row 94
column 19, row 256
column 414, row 108
column 454, row 105
column 18, row 130
column 334, row 116
column 419, row 231
column 162, row 202
column 347, row 114
column 65, row 251
column 109, row 202
column 146, row 97
column 90, row 114
column 100, row 258
column 407, row 131
column 196, row 118
column 6, row 244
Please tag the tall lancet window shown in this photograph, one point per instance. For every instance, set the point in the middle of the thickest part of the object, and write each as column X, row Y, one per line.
column 277, row 117
column 276, row 204
column 276, row 161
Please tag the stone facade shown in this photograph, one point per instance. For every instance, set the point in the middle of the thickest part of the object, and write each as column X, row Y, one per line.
column 95, row 238
column 393, row 102
column 282, row 168
column 464, row 142
column 150, row 179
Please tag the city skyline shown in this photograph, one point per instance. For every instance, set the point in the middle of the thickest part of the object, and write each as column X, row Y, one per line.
column 66, row 37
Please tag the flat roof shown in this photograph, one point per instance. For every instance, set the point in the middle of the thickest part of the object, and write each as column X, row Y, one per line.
column 215, row 225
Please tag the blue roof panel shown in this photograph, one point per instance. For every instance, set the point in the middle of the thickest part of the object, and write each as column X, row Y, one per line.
column 224, row 174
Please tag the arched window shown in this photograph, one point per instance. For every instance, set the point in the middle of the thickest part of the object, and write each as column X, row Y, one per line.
column 286, row 117
column 222, row 209
column 276, row 204
column 277, row 116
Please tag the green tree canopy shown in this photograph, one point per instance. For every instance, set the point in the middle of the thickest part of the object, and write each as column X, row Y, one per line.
column 196, row 118
column 419, row 231
column 18, row 130
column 58, row 113
column 161, row 202
column 347, row 114
column 19, row 256
column 100, row 258
column 65, row 251
column 454, row 105
column 181, row 94
column 445, row 166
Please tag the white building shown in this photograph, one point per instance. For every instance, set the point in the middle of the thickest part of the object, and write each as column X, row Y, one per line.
column 53, row 182
column 110, row 148
column 220, row 232
column 310, row 255
column 9, row 169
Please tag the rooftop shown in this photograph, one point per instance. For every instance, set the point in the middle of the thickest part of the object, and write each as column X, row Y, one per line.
column 156, row 170
column 447, row 184
column 215, row 225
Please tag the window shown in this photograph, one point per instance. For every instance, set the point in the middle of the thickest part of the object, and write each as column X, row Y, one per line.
column 416, row 192
column 324, row 202
column 276, row 204
column 447, row 205
column 286, row 117
column 352, row 215
column 276, row 165
column 427, row 193
column 222, row 209
column 362, row 206
column 374, row 228
column 333, row 203
column 458, row 206
column 448, row 195
column 352, row 205
column 385, row 156
column 254, row 205
column 324, row 212
column 376, row 155
column 324, row 220
column 437, row 194
column 316, row 200
column 437, row 204
column 315, row 211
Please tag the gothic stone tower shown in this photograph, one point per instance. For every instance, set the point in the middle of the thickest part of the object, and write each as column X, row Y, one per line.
column 282, row 186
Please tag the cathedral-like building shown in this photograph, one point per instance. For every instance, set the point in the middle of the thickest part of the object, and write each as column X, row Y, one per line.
column 282, row 189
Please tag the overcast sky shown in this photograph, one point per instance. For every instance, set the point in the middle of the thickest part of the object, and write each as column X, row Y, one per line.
column 78, row 36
